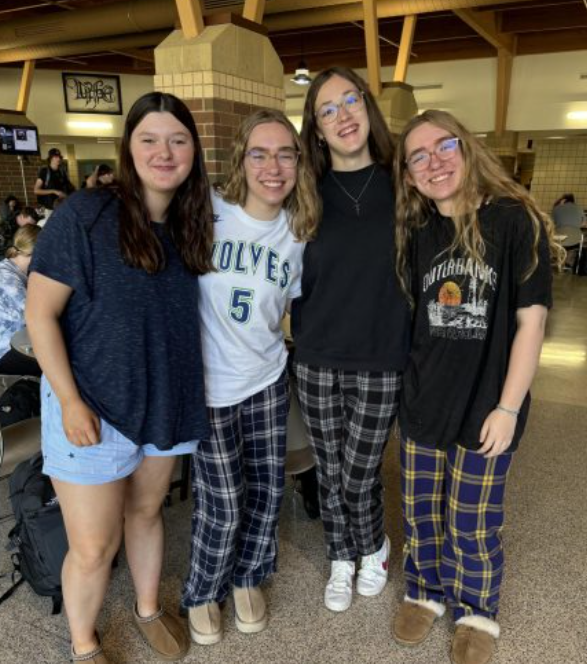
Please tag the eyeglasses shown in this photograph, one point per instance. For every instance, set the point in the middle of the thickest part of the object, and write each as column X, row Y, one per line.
column 352, row 102
column 286, row 157
column 445, row 150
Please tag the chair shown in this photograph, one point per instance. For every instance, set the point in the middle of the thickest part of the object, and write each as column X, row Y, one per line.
column 568, row 219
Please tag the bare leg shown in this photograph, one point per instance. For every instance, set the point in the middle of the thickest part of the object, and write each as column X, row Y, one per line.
column 93, row 521
column 143, row 528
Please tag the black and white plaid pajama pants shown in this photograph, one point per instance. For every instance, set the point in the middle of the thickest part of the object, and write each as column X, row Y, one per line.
column 238, row 483
column 348, row 415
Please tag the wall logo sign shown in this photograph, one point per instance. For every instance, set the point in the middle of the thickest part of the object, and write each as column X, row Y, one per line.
column 92, row 93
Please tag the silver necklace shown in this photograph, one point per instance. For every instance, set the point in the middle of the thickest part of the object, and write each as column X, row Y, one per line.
column 355, row 199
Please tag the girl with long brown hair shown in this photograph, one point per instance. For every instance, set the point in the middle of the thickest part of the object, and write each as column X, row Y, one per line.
column 112, row 312
column 474, row 257
column 350, row 327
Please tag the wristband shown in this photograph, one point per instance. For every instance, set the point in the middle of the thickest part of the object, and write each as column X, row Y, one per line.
column 509, row 411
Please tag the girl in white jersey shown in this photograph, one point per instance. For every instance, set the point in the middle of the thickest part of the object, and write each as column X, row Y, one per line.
column 263, row 216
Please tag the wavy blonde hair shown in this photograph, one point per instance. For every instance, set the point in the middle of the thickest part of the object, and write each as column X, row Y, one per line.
column 24, row 241
column 484, row 177
column 302, row 204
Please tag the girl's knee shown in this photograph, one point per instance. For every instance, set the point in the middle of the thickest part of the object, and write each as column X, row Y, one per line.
column 91, row 557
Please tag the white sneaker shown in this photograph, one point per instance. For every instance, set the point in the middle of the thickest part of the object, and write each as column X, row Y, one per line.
column 372, row 576
column 339, row 589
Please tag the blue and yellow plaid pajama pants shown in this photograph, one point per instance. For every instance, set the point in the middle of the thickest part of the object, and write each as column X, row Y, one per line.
column 452, row 504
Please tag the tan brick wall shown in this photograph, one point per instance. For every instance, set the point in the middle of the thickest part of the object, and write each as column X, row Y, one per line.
column 560, row 166
column 11, row 178
column 217, row 121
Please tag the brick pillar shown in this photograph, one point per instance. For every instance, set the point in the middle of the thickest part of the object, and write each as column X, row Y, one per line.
column 398, row 105
column 223, row 75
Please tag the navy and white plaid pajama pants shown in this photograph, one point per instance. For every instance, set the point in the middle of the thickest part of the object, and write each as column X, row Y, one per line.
column 348, row 416
column 452, row 504
column 238, row 483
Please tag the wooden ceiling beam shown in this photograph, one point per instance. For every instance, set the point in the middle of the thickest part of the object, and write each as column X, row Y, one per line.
column 485, row 24
column 372, row 46
column 346, row 11
column 26, row 82
column 405, row 49
column 505, row 61
column 254, row 10
column 191, row 17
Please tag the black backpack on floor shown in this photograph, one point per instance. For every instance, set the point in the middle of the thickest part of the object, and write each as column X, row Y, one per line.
column 20, row 401
column 38, row 539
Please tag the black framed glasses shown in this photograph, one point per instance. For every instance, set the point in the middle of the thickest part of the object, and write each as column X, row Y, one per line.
column 445, row 150
column 286, row 157
column 352, row 102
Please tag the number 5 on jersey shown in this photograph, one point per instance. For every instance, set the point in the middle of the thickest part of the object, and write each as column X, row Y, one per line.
column 241, row 305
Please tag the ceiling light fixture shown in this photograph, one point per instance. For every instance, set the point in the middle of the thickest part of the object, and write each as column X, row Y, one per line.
column 302, row 75
column 86, row 124
column 577, row 115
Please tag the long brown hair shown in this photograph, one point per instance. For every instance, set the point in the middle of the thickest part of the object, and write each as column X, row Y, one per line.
column 484, row 177
column 189, row 215
column 381, row 143
column 302, row 204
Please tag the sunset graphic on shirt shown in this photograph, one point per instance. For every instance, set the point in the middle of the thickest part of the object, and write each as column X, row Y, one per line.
column 450, row 294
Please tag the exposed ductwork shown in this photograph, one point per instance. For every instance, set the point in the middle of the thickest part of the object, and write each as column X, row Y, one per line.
column 81, row 47
column 80, row 31
column 130, row 17
column 348, row 11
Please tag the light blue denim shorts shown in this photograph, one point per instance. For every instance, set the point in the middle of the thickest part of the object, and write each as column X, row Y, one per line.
column 113, row 458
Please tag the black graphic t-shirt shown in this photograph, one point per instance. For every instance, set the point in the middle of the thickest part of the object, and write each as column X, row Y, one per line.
column 465, row 323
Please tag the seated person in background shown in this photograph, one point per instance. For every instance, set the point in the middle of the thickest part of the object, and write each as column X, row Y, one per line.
column 52, row 183
column 566, row 212
column 8, row 211
column 102, row 176
column 8, row 208
column 26, row 216
column 13, row 283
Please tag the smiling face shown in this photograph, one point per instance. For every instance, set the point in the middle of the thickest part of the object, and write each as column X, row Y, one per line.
column 162, row 150
column 347, row 135
column 440, row 181
column 268, row 186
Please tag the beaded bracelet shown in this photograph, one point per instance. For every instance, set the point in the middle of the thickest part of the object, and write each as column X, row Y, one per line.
column 509, row 411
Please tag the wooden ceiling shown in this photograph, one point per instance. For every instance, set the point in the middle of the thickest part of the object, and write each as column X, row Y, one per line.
column 539, row 26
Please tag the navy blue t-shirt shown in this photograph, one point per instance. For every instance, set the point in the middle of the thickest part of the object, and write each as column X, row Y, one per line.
column 133, row 338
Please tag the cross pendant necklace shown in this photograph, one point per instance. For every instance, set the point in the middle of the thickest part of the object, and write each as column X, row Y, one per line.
column 355, row 199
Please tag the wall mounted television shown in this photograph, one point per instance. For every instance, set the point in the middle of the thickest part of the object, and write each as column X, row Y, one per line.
column 19, row 139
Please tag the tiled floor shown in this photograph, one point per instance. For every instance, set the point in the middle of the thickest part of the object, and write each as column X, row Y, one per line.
column 543, row 608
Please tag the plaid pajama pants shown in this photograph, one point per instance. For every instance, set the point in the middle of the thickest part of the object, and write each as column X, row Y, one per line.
column 452, row 505
column 348, row 416
column 238, row 482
